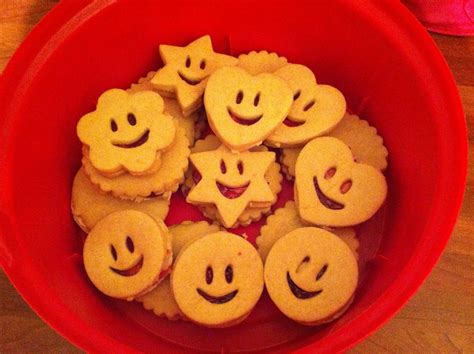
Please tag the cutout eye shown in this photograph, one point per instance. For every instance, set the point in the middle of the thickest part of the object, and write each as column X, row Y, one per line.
column 130, row 245
column 309, row 105
column 229, row 274
column 188, row 62
column 305, row 260
column 240, row 167
column 113, row 125
column 223, row 167
column 346, row 186
column 297, row 95
column 330, row 173
column 256, row 100
column 203, row 64
column 132, row 120
column 321, row 272
column 113, row 251
column 239, row 98
column 209, row 274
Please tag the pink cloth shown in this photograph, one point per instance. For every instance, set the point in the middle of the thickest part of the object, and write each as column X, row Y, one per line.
column 445, row 16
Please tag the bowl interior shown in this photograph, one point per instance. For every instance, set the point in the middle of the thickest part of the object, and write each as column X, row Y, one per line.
column 112, row 44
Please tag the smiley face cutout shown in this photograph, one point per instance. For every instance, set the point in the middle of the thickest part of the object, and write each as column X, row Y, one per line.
column 217, row 280
column 127, row 253
column 311, row 275
column 231, row 181
column 243, row 110
column 333, row 190
column 316, row 108
column 187, row 70
column 127, row 132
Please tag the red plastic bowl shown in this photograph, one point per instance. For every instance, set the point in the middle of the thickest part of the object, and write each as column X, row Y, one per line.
column 376, row 53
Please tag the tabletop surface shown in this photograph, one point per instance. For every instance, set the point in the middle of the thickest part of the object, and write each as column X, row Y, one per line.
column 439, row 318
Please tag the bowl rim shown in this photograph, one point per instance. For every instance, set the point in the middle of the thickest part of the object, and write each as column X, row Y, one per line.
column 65, row 16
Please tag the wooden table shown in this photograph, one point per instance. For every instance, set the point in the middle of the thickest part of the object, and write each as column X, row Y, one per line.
column 439, row 318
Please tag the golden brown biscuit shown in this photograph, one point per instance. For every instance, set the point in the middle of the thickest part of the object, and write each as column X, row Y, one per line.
column 251, row 214
column 174, row 163
column 285, row 220
column 127, row 132
column 311, row 275
column 316, row 108
column 127, row 253
column 187, row 70
column 242, row 109
column 231, row 181
column 333, row 190
column 366, row 145
column 161, row 300
column 89, row 204
column 189, row 231
column 261, row 62
column 217, row 280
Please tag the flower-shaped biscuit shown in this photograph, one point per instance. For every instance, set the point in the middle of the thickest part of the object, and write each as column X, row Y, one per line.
column 126, row 132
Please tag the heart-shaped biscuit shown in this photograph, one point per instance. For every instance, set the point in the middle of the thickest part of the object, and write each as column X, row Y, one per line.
column 316, row 108
column 333, row 190
column 242, row 109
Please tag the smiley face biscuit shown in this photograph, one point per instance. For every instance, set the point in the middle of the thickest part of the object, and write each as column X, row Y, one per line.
column 333, row 190
column 242, row 109
column 217, row 280
column 127, row 132
column 316, row 108
column 232, row 181
column 366, row 145
column 171, row 107
column 187, row 70
column 251, row 213
column 161, row 299
column 261, row 62
column 127, row 253
column 174, row 162
column 285, row 220
column 311, row 276
column 89, row 204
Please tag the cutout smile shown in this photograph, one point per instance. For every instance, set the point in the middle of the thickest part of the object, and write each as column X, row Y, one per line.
column 243, row 121
column 190, row 81
column 324, row 199
column 291, row 123
column 217, row 299
column 129, row 272
column 298, row 292
column 136, row 143
column 232, row 192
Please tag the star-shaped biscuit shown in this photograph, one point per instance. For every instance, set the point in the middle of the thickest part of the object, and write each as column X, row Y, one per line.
column 186, row 71
column 231, row 181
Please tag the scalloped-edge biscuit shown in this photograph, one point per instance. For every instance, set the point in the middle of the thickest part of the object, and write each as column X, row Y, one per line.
column 261, row 62
column 285, row 220
column 89, row 204
column 167, row 179
column 362, row 138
